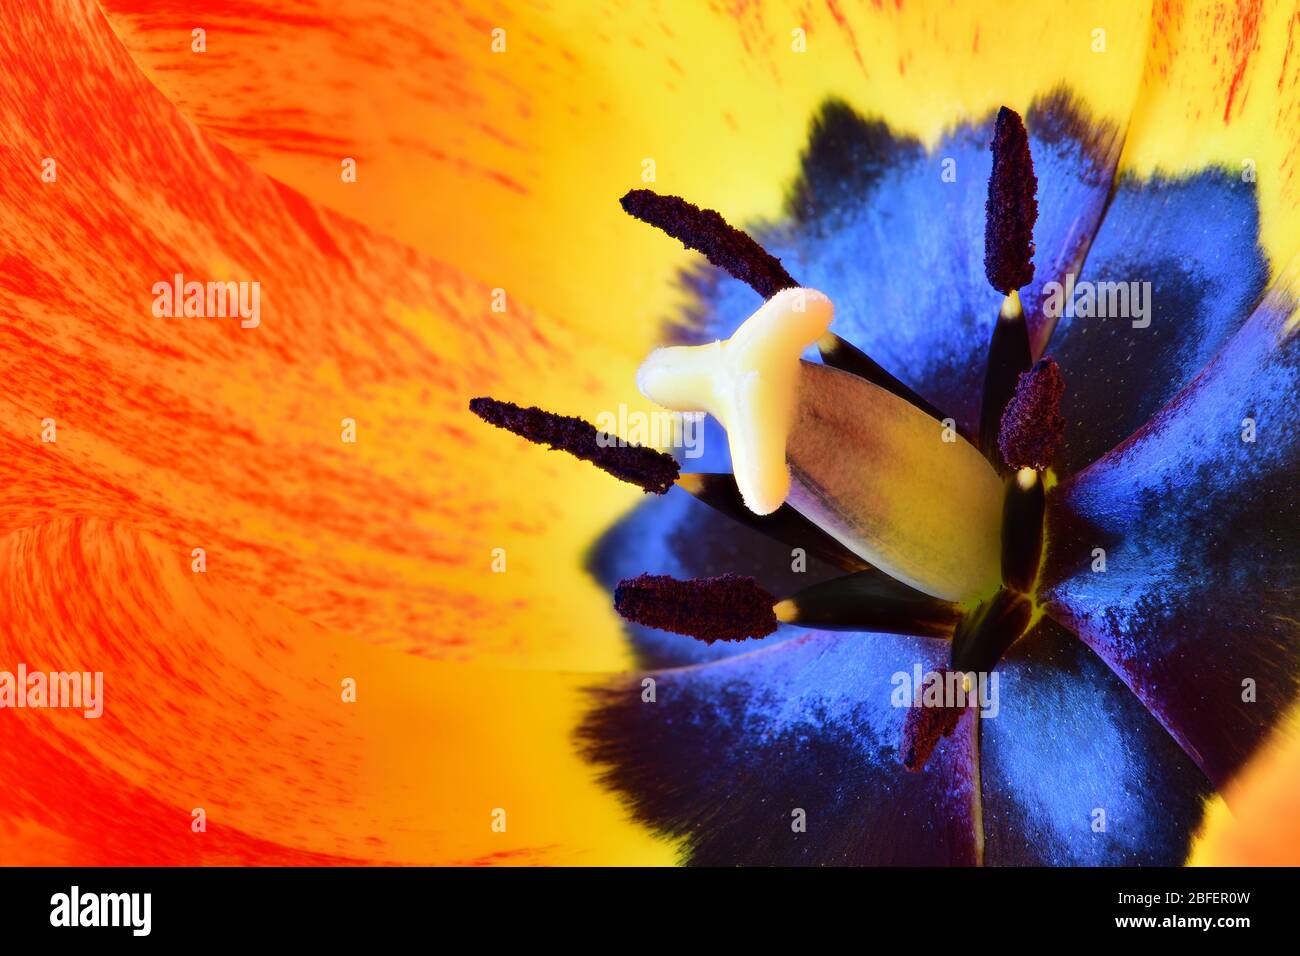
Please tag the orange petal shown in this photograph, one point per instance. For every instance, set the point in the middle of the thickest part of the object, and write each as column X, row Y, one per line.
column 217, row 699
column 205, row 434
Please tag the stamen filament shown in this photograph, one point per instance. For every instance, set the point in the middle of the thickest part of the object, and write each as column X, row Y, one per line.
column 1022, row 529
column 985, row 633
column 1008, row 357
column 786, row 525
column 840, row 354
column 736, row 608
column 869, row 601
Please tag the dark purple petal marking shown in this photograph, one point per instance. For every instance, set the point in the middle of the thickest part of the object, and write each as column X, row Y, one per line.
column 847, row 158
column 725, row 608
column 1032, row 426
column 1146, row 630
column 646, row 468
column 704, row 230
column 729, row 750
column 1177, row 299
column 1174, row 556
column 1011, row 209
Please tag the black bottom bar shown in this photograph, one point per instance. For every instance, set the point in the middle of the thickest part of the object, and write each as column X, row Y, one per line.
column 550, row 906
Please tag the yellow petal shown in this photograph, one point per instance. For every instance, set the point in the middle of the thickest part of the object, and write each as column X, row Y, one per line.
column 1222, row 87
column 509, row 163
column 1256, row 822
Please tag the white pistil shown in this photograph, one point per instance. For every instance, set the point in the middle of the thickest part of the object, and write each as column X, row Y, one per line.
column 868, row 467
column 749, row 383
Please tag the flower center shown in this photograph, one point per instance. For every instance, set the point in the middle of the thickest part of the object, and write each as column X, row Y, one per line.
column 940, row 534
